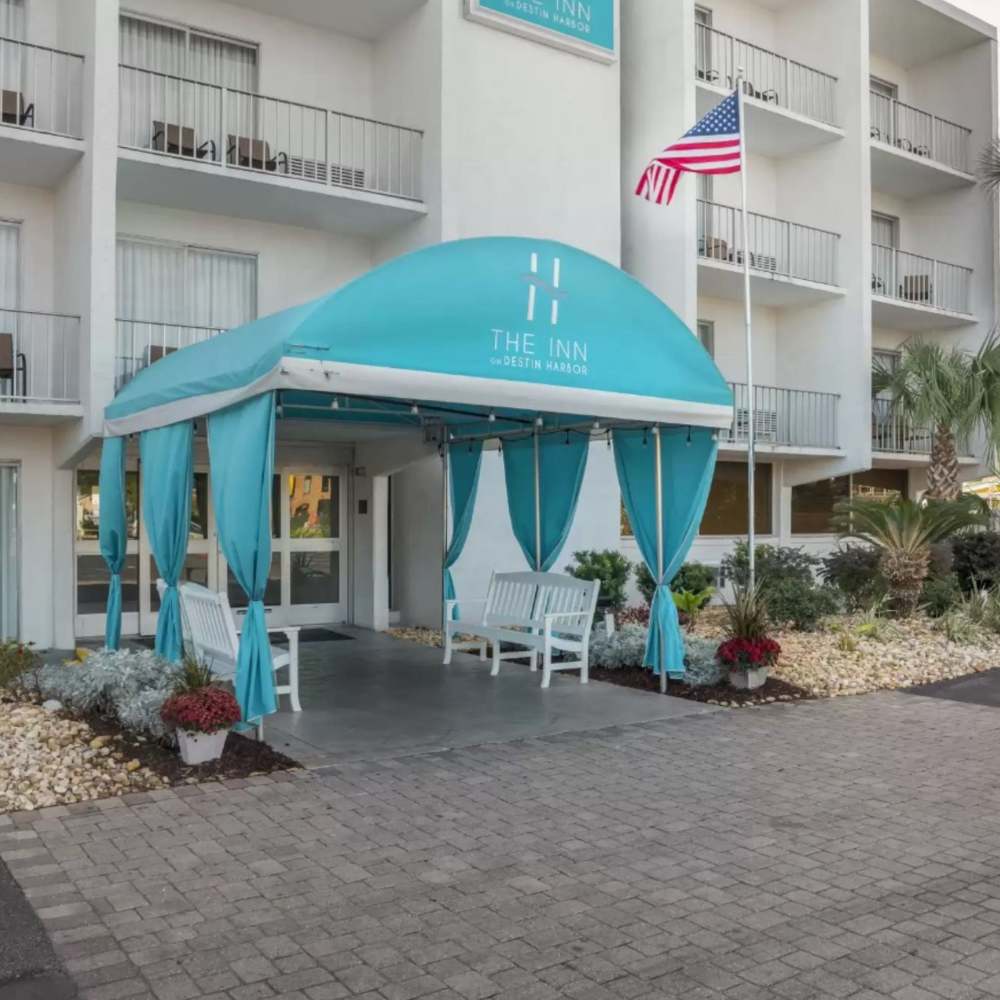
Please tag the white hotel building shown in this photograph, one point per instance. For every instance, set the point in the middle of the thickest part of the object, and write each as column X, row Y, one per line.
column 170, row 168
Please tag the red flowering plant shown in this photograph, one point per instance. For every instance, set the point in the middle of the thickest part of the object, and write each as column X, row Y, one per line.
column 747, row 654
column 205, row 710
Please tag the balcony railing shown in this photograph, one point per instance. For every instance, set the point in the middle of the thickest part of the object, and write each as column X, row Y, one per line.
column 796, row 418
column 767, row 75
column 237, row 130
column 777, row 247
column 41, row 88
column 923, row 281
column 39, row 357
column 141, row 342
column 919, row 132
column 892, row 433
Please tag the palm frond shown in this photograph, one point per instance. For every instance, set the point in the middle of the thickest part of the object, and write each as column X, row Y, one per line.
column 989, row 167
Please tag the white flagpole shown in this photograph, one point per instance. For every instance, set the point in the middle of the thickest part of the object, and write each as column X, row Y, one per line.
column 751, row 421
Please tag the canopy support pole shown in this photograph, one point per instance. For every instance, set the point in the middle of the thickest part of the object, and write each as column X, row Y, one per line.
column 538, row 506
column 445, row 472
column 658, row 459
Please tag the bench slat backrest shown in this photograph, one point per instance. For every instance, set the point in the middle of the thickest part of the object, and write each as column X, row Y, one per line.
column 213, row 632
column 511, row 599
column 558, row 594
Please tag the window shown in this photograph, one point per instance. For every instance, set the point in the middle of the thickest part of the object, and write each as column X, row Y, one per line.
column 171, row 283
column 88, row 504
column 12, row 19
column 813, row 503
column 185, row 52
column 702, row 15
column 706, row 336
column 883, row 88
column 885, row 230
column 880, row 484
column 726, row 510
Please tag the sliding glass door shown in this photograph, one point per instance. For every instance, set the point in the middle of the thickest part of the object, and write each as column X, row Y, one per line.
column 10, row 560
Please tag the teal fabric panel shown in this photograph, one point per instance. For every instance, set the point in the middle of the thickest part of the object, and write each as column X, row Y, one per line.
column 167, row 468
column 562, row 459
column 501, row 308
column 112, row 532
column 241, row 456
column 687, row 467
column 464, row 463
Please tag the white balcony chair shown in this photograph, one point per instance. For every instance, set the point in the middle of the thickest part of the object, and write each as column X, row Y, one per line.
column 211, row 636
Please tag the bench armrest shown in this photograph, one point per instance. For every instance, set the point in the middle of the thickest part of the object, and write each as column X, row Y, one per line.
column 288, row 630
column 465, row 601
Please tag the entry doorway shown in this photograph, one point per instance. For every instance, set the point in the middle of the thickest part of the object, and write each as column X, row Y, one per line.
column 307, row 584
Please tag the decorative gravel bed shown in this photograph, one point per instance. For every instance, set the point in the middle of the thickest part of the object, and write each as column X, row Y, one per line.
column 48, row 760
column 846, row 656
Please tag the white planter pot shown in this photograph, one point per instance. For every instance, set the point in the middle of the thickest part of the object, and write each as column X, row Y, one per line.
column 197, row 748
column 747, row 680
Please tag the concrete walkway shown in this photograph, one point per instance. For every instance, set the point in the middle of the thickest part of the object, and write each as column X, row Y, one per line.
column 374, row 697
column 839, row 849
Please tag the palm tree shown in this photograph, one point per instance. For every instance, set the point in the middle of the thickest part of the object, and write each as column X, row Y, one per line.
column 989, row 167
column 904, row 531
column 952, row 392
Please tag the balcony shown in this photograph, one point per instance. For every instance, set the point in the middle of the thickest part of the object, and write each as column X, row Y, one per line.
column 39, row 366
column 912, row 292
column 790, row 264
column 247, row 155
column 141, row 342
column 792, row 419
column 892, row 435
column 790, row 107
column 41, row 115
column 916, row 153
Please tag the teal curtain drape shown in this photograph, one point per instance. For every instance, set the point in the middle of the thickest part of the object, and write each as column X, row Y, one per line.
column 464, row 463
column 562, row 460
column 241, row 455
column 687, row 460
column 167, row 464
column 112, row 532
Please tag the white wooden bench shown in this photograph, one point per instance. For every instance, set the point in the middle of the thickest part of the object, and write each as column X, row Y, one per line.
column 210, row 635
column 542, row 612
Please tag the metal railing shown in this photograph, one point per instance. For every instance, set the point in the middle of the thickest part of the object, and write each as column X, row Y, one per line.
column 909, row 277
column 919, row 132
column 797, row 418
column 776, row 247
column 39, row 357
column 41, row 88
column 237, row 130
column 141, row 342
column 891, row 432
column 767, row 76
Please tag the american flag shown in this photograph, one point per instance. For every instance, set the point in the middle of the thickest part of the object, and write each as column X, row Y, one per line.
column 711, row 147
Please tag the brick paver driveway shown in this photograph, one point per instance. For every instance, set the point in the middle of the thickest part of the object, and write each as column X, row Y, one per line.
column 837, row 849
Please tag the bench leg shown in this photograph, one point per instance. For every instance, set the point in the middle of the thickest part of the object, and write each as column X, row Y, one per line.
column 447, row 645
column 482, row 650
column 546, row 664
column 293, row 672
column 584, row 664
column 495, row 668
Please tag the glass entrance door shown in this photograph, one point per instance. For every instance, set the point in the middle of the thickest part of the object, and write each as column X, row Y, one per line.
column 307, row 580
column 10, row 582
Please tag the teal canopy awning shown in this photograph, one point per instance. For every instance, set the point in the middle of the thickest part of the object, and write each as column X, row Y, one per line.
column 505, row 324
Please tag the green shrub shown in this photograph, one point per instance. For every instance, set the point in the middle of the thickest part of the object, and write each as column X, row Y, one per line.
column 958, row 627
column 798, row 605
column 689, row 603
column 940, row 595
column 701, row 667
column 773, row 562
column 854, row 571
column 130, row 685
column 977, row 559
column 17, row 661
column 610, row 567
column 692, row 576
column 625, row 647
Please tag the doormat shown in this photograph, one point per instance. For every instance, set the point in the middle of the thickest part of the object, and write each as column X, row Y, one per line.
column 306, row 635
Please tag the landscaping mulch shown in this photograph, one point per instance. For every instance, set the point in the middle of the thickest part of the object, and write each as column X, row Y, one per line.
column 241, row 758
column 772, row 690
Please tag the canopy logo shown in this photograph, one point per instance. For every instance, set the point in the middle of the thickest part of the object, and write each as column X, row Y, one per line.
column 530, row 349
